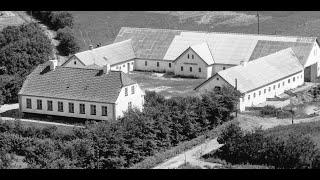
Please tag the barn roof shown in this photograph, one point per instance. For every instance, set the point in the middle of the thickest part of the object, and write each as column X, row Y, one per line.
column 262, row 71
column 264, row 47
column 225, row 48
column 112, row 54
column 75, row 83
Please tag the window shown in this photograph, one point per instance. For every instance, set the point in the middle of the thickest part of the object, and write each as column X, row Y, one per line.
column 39, row 104
column 301, row 75
column 217, row 79
column 169, row 65
column 124, row 65
column 181, row 68
column 157, row 64
column 82, row 109
column 192, row 56
column 199, row 69
column 269, row 89
column 254, row 95
column 131, row 63
column 104, row 111
column 190, row 69
column 224, row 68
column 279, row 85
column 283, row 83
column 146, row 63
column 248, row 97
column 129, row 105
column 298, row 76
column 126, row 91
column 288, row 80
column 217, row 88
column 294, row 79
column 93, row 110
column 29, row 106
column 264, row 90
column 274, row 87
column 71, row 108
column 49, row 105
column 60, row 106
column 259, row 93
column 132, row 89
column 75, row 62
column 188, row 56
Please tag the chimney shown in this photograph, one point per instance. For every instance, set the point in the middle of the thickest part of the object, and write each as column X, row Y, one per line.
column 90, row 47
column 243, row 63
column 53, row 64
column 106, row 69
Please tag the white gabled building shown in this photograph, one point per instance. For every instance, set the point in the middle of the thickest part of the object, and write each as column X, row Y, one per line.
column 257, row 80
column 165, row 50
column 120, row 56
column 100, row 94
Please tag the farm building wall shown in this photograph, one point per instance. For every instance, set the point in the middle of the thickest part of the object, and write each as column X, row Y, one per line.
column 190, row 64
column 65, row 112
column 73, row 62
column 153, row 65
column 259, row 95
column 136, row 99
column 220, row 67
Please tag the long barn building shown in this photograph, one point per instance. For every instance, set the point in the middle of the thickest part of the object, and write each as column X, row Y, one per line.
column 203, row 54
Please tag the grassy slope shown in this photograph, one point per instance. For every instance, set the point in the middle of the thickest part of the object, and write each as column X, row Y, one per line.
column 312, row 129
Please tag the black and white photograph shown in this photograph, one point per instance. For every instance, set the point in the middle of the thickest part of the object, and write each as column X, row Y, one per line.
column 159, row 89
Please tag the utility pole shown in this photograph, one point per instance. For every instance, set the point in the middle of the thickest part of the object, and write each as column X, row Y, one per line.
column 236, row 88
column 258, row 22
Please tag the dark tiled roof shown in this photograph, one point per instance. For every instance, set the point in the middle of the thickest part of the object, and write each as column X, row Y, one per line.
column 264, row 48
column 148, row 43
column 75, row 83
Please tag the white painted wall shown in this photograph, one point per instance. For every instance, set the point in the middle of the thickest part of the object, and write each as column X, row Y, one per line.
column 195, row 63
column 219, row 67
column 75, row 62
column 65, row 112
column 137, row 99
column 152, row 65
column 245, row 101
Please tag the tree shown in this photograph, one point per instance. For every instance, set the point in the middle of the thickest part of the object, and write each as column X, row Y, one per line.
column 68, row 45
column 61, row 19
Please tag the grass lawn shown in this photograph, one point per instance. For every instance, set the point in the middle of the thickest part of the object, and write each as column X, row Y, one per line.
column 165, row 84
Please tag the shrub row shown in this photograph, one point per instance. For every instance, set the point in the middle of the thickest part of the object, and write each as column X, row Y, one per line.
column 272, row 111
column 294, row 151
column 54, row 19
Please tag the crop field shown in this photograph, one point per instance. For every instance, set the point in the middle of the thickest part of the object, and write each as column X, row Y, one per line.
column 166, row 85
column 93, row 27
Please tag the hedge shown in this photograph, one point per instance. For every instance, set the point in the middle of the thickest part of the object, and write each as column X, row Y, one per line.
column 160, row 157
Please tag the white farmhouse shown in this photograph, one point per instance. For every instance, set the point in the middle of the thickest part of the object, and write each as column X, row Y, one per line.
column 203, row 54
column 120, row 56
column 100, row 94
column 260, row 79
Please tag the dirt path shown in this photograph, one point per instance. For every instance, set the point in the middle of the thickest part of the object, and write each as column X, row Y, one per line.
column 246, row 122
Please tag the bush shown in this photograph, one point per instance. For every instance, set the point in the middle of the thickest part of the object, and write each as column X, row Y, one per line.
column 69, row 44
column 268, row 111
column 284, row 114
column 61, row 19
column 64, row 33
column 296, row 151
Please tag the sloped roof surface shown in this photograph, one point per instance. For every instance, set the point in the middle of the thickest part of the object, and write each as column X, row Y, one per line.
column 114, row 53
column 75, row 83
column 225, row 48
column 204, row 52
column 148, row 43
column 263, row 48
column 262, row 71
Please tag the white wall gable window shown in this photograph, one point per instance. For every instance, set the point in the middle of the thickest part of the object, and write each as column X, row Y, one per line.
column 93, row 110
column 29, row 105
column 130, row 105
column 169, row 65
column 192, row 56
column 181, row 68
column 146, row 63
column 126, row 91
column 132, row 89
column 188, row 56
column 199, row 69
column 158, row 64
column 75, row 62
column 190, row 69
column 104, row 110
column 82, row 109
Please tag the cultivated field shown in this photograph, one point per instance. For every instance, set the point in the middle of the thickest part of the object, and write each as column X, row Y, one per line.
column 102, row 26
column 9, row 18
column 166, row 85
